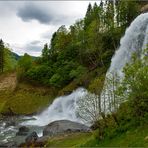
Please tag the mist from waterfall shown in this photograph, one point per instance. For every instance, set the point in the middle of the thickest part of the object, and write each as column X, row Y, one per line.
column 65, row 107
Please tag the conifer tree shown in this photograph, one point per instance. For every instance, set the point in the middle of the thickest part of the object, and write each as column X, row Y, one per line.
column 45, row 52
column 88, row 16
column 1, row 56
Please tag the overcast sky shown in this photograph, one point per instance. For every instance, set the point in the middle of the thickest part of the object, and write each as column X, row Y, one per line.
column 28, row 25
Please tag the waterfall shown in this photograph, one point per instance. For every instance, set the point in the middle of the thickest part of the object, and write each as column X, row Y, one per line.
column 134, row 40
column 63, row 108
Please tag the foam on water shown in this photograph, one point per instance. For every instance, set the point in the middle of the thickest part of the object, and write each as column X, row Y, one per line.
column 63, row 108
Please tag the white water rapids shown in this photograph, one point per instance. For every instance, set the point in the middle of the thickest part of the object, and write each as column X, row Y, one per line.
column 63, row 108
column 134, row 40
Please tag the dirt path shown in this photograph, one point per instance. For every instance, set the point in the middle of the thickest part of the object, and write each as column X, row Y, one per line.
column 8, row 82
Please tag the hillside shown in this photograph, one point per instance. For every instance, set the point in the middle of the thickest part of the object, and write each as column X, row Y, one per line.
column 93, row 72
column 14, row 96
column 16, row 56
column 134, row 137
column 8, row 82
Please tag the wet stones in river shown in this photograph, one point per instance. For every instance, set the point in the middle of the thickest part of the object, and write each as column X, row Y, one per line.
column 31, row 138
column 23, row 131
column 10, row 123
column 9, row 145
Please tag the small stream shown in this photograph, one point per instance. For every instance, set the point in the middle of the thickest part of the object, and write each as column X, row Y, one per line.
column 10, row 126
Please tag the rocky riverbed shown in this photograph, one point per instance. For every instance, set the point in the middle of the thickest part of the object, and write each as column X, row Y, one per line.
column 13, row 134
column 11, row 130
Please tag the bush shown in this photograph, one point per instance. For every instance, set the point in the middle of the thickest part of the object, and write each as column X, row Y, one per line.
column 96, row 85
column 134, row 86
column 41, row 73
column 76, row 73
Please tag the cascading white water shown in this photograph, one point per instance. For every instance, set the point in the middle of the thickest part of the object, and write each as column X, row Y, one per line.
column 134, row 40
column 65, row 107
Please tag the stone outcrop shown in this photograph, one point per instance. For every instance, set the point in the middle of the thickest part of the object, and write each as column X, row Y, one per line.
column 31, row 138
column 64, row 126
column 23, row 131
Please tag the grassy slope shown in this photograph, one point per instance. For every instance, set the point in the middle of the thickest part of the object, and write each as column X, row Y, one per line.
column 26, row 99
column 70, row 140
column 132, row 138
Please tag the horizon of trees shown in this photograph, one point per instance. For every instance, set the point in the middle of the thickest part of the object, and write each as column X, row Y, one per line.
column 7, row 59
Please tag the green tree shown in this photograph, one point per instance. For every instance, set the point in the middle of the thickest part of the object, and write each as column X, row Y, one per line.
column 134, row 86
column 9, row 60
column 88, row 16
column 24, row 64
column 109, row 14
column 45, row 52
column 127, row 11
column 1, row 55
column 61, row 39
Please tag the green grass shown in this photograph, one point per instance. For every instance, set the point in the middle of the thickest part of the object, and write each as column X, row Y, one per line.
column 70, row 140
column 26, row 99
column 133, row 138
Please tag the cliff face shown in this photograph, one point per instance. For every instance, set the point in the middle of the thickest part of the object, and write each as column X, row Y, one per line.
column 144, row 9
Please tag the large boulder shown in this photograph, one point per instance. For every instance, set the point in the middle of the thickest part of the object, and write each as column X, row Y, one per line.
column 23, row 131
column 64, row 126
column 31, row 138
column 38, row 142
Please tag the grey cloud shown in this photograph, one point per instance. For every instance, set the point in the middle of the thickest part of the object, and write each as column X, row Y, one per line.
column 29, row 12
column 35, row 42
column 45, row 15
column 47, row 35
column 33, row 47
column 45, row 12
column 8, row 8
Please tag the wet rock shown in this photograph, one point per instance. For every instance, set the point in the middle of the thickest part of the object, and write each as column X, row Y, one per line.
column 31, row 138
column 42, row 139
column 10, row 123
column 23, row 131
column 40, row 142
column 34, row 140
column 64, row 126
column 9, row 144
